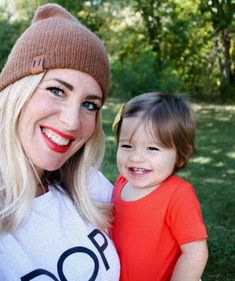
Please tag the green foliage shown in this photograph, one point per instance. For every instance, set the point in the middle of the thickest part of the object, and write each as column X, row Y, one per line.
column 9, row 32
column 140, row 76
column 27, row 10
column 175, row 45
column 221, row 12
column 221, row 16
column 181, row 38
column 211, row 171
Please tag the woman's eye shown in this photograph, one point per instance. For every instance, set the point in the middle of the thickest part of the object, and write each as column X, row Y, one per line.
column 56, row 91
column 91, row 106
column 152, row 148
column 126, row 146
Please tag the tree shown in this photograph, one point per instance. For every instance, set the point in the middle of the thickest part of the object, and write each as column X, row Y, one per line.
column 176, row 34
column 9, row 32
column 153, row 13
column 222, row 16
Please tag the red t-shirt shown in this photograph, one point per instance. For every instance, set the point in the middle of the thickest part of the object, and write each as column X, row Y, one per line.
column 148, row 232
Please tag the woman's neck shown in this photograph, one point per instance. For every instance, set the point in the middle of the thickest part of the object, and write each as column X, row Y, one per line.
column 41, row 189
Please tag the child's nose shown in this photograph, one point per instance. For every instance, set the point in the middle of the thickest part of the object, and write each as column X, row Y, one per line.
column 136, row 156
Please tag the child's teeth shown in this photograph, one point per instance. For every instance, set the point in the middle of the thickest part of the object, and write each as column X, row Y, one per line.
column 138, row 170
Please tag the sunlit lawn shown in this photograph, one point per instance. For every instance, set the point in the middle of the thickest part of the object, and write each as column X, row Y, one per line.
column 212, row 172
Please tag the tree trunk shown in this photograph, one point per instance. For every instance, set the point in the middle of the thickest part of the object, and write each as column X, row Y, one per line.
column 227, row 73
column 227, row 91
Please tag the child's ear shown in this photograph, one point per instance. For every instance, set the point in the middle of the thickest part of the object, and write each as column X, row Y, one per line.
column 189, row 152
column 182, row 162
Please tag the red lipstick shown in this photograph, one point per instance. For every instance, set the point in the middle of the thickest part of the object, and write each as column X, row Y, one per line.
column 52, row 144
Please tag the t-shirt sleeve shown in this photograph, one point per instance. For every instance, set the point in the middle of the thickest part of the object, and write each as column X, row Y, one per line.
column 184, row 216
column 100, row 187
column 120, row 181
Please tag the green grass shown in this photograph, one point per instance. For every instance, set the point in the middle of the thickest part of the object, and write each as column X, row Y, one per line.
column 212, row 172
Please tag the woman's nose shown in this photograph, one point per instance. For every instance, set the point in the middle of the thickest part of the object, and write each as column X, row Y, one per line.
column 70, row 117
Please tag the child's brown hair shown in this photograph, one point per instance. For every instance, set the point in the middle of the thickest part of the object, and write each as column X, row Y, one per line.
column 171, row 121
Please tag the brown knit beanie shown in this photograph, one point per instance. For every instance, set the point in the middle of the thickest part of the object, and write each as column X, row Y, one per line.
column 56, row 39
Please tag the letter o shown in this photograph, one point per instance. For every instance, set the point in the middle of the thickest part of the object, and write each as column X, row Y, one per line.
column 72, row 251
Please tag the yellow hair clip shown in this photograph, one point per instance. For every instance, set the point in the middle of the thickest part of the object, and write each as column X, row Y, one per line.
column 118, row 118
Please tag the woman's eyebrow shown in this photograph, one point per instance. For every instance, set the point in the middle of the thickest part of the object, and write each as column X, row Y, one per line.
column 66, row 84
column 94, row 97
column 70, row 87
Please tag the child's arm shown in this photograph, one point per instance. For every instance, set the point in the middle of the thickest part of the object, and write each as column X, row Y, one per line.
column 191, row 262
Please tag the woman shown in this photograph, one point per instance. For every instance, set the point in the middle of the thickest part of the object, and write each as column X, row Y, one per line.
column 55, row 205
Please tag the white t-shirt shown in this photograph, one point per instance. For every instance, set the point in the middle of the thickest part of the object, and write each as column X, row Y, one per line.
column 55, row 243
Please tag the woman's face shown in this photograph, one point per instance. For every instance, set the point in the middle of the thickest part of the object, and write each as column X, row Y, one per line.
column 59, row 117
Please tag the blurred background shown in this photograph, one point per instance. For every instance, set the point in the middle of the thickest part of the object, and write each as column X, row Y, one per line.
column 173, row 46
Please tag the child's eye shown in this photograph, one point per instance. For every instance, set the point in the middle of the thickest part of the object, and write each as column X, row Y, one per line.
column 56, row 91
column 91, row 106
column 152, row 148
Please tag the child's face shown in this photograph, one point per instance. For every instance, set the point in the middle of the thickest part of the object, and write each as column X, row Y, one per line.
column 140, row 159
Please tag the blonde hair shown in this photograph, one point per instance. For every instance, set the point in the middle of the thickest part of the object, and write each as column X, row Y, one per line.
column 18, row 178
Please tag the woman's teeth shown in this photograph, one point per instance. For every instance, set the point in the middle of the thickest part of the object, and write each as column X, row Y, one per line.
column 55, row 137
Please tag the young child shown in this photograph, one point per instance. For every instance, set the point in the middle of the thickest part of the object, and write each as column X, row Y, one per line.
column 158, row 228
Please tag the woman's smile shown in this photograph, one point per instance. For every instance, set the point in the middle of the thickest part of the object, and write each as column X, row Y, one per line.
column 57, row 140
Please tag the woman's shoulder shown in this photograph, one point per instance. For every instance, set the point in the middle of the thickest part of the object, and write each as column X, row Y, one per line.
column 99, row 186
